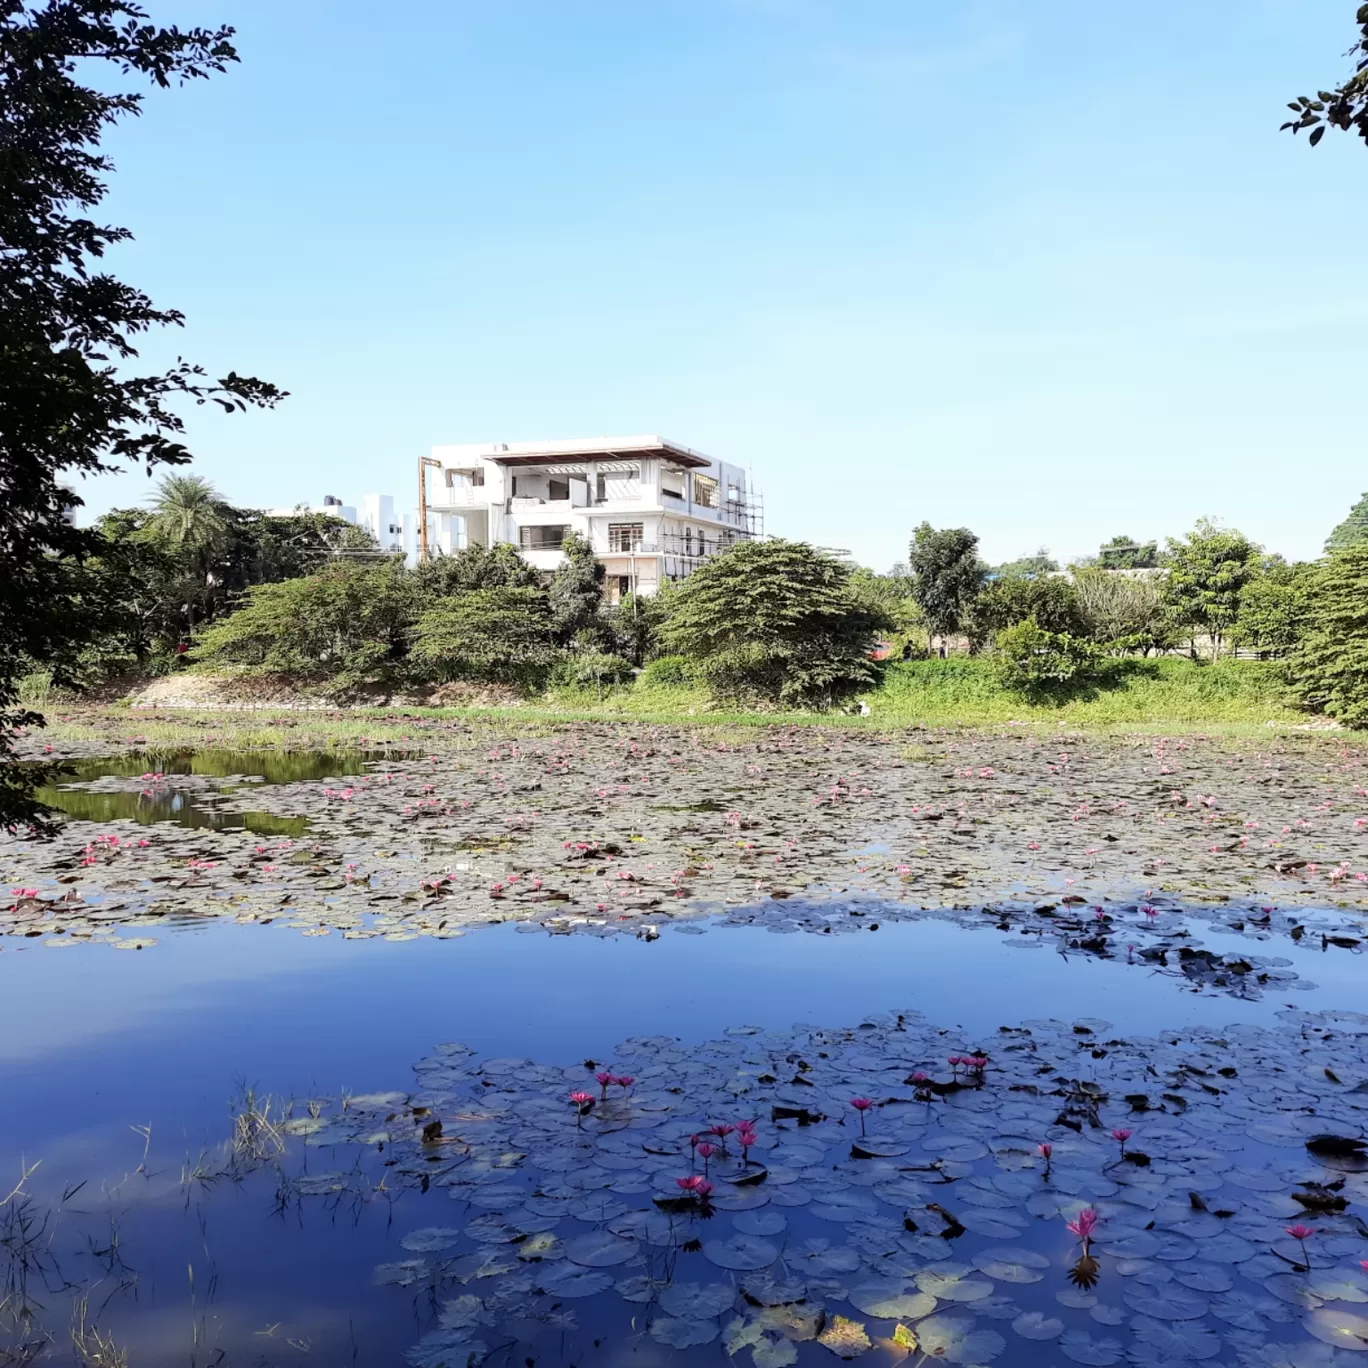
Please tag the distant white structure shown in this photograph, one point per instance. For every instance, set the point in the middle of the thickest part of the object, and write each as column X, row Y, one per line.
column 651, row 509
column 395, row 533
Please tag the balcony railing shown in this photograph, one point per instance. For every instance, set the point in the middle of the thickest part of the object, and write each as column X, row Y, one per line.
column 459, row 496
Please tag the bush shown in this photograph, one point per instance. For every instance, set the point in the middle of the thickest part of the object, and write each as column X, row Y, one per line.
column 1330, row 668
column 345, row 628
column 1049, row 600
column 775, row 622
column 668, row 672
column 500, row 635
column 1033, row 661
column 591, row 670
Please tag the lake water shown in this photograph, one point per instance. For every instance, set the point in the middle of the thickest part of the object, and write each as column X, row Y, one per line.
column 121, row 1073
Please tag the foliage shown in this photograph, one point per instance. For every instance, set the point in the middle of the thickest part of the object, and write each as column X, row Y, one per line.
column 1123, row 553
column 666, row 672
column 1353, row 530
column 1050, row 601
column 1344, row 107
column 1125, row 612
column 68, row 405
column 577, row 590
column 635, row 624
column 499, row 634
column 947, row 575
column 591, row 670
column 889, row 596
column 474, row 567
column 1275, row 608
column 1208, row 570
column 775, row 620
column 1034, row 661
column 344, row 628
column 1042, row 563
column 1330, row 668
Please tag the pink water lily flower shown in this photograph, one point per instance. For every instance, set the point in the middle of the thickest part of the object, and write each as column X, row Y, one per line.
column 1084, row 1223
column 861, row 1105
column 581, row 1100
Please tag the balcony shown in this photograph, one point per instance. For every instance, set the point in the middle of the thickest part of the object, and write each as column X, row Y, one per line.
column 458, row 497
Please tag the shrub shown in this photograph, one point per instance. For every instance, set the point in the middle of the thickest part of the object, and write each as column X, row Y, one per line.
column 591, row 670
column 497, row 635
column 667, row 672
column 775, row 622
column 1033, row 661
column 1050, row 600
column 345, row 628
column 1330, row 669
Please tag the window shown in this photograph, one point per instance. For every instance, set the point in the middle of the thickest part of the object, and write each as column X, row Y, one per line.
column 672, row 484
column 601, row 488
column 542, row 538
column 515, row 486
column 688, row 541
column 705, row 491
column 624, row 536
column 462, row 478
column 558, row 489
column 624, row 586
column 735, row 494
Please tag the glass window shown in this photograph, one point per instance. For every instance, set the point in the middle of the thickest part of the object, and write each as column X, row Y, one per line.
column 705, row 491
column 624, row 536
column 542, row 538
column 558, row 489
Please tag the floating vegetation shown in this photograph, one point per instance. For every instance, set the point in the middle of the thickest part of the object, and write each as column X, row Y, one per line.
column 1228, row 1223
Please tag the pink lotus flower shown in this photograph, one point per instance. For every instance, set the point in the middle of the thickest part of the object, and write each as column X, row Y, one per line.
column 704, row 1189
column 1121, row 1134
column 582, row 1100
column 1300, row 1232
column 690, row 1183
column 861, row 1105
column 625, row 1081
column 604, row 1079
column 1084, row 1224
column 1045, row 1149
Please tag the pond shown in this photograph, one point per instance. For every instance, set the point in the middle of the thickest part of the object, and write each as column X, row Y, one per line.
column 256, row 1146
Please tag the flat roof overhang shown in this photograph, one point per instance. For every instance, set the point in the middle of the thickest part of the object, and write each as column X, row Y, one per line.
column 680, row 456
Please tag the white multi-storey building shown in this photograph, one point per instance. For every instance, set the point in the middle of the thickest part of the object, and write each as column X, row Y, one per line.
column 651, row 509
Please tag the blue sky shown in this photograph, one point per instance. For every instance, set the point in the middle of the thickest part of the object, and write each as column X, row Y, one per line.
column 1048, row 270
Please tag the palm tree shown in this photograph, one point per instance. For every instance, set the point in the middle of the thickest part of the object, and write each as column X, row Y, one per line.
column 189, row 515
column 190, row 519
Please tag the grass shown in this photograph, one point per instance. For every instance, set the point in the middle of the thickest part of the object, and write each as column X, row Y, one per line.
column 1164, row 694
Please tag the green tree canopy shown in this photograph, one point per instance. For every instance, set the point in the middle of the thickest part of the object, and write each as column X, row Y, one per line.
column 1124, row 612
column 474, row 567
column 1276, row 608
column 1124, row 553
column 1208, row 570
column 775, row 620
column 577, row 592
column 947, row 575
column 1051, row 602
column 1330, row 668
column 496, row 634
column 1042, row 563
column 72, row 402
column 1353, row 530
column 345, row 628
column 1346, row 106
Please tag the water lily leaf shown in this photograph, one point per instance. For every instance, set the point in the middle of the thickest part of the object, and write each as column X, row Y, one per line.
column 820, row 1257
column 1033, row 1325
column 447, row 1349
column 430, row 1239
column 1081, row 1347
column 774, row 1352
column 1161, row 1342
column 845, row 1338
column 683, row 1334
column 888, row 1300
column 540, row 1245
column 760, row 1223
column 566, row 1280
column 956, row 1339
column 743, row 1253
column 740, row 1333
column 1343, row 1284
column 1012, row 1265
column 1343, row 1329
column 952, row 1282
column 405, row 1273
column 1168, row 1302
column 601, row 1249
column 690, row 1301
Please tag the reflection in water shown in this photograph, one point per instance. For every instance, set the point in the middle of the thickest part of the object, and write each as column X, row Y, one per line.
column 159, row 798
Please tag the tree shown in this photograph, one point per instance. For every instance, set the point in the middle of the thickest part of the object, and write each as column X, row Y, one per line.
column 1330, row 668
column 947, row 575
column 1042, row 563
column 499, row 634
column 1344, row 107
column 1122, row 553
column 474, row 567
column 1208, row 570
column 775, row 621
column 1276, row 607
column 1352, row 531
column 577, row 592
column 69, row 405
column 1051, row 602
column 191, row 521
column 889, row 596
column 1124, row 612
column 345, row 628
column 1036, row 662
column 635, row 624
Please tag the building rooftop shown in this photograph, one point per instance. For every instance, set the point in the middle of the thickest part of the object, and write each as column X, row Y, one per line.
column 536, row 453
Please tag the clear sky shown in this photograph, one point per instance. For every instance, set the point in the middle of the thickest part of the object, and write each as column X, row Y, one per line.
column 1047, row 270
